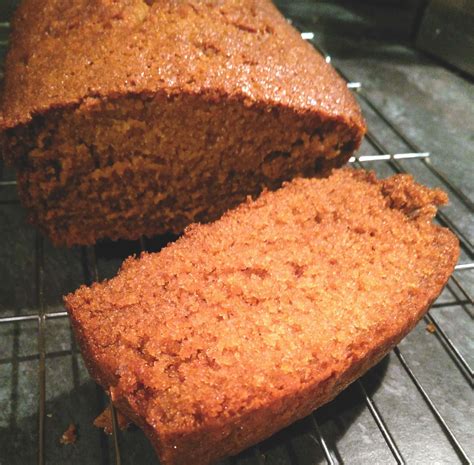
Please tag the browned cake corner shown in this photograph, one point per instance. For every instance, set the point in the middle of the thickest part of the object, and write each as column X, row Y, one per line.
column 245, row 325
column 136, row 117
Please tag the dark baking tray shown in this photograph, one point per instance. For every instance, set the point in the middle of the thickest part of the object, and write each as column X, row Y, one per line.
column 416, row 406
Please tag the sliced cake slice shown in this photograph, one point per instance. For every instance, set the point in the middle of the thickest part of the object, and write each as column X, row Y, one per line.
column 247, row 324
column 140, row 117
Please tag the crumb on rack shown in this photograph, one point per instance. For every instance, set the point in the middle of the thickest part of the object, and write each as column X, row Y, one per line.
column 431, row 328
column 70, row 435
column 104, row 421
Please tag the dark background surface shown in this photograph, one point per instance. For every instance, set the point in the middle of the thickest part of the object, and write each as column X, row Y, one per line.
column 372, row 42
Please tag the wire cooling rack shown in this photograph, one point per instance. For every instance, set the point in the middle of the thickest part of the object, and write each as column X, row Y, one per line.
column 321, row 446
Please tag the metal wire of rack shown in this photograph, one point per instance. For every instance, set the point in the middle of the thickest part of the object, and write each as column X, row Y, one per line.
column 331, row 456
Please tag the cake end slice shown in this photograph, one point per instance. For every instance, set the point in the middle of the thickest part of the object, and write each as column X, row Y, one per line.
column 247, row 324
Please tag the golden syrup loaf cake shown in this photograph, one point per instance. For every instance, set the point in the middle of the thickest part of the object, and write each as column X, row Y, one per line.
column 139, row 117
column 247, row 324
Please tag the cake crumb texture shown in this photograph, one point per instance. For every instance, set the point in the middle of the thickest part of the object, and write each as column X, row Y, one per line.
column 70, row 435
column 104, row 421
column 247, row 324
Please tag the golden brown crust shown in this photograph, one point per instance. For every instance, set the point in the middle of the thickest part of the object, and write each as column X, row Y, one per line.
column 247, row 324
column 63, row 53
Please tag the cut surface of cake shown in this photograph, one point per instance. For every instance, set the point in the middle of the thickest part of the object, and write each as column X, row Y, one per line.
column 138, row 118
column 247, row 324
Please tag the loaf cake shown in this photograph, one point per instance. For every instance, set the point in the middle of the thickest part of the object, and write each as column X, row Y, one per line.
column 139, row 117
column 247, row 324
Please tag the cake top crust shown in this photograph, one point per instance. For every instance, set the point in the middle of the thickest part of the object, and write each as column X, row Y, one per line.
column 70, row 53
column 284, row 291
